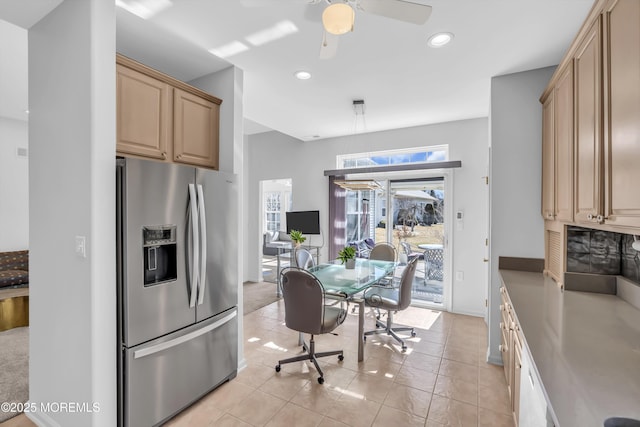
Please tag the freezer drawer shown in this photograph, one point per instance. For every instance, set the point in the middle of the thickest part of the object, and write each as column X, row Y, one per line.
column 166, row 375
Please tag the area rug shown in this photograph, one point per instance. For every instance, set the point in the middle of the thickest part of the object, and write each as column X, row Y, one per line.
column 258, row 294
column 14, row 375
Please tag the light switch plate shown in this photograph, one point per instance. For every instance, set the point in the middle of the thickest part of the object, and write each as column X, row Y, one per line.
column 81, row 249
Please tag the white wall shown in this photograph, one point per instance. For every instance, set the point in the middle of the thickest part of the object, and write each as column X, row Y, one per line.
column 275, row 156
column 517, row 228
column 14, row 186
column 72, row 193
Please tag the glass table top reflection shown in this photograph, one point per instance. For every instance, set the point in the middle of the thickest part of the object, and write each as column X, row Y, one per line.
column 337, row 278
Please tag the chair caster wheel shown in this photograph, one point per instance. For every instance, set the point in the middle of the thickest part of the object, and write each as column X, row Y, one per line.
column 277, row 368
column 413, row 333
column 404, row 348
column 320, row 380
column 340, row 357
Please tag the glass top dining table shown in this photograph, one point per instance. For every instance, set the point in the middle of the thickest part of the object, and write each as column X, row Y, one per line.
column 335, row 278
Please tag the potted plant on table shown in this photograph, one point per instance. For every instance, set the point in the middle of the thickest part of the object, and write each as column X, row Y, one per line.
column 347, row 256
column 297, row 237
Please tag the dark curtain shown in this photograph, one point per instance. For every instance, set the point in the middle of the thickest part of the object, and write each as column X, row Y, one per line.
column 337, row 217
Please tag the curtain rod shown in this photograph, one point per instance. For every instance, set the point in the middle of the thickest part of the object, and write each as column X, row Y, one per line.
column 417, row 166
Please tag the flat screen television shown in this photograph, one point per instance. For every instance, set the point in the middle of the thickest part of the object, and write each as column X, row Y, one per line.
column 307, row 222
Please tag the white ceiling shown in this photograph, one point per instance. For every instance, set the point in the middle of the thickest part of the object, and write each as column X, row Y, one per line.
column 385, row 62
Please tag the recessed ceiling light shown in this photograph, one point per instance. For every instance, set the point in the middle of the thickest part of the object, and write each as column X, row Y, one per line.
column 302, row 75
column 439, row 39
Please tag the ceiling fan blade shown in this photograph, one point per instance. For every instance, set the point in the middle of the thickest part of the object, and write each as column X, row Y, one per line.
column 397, row 9
column 329, row 46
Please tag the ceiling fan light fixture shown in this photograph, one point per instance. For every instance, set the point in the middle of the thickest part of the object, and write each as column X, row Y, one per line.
column 440, row 39
column 338, row 18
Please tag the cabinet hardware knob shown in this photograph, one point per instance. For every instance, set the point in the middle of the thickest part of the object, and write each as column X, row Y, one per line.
column 590, row 217
column 164, row 155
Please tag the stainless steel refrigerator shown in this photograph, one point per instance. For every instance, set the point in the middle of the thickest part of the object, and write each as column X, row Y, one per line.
column 177, row 287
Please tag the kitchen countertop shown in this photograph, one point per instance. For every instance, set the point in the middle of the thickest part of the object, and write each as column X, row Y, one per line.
column 585, row 347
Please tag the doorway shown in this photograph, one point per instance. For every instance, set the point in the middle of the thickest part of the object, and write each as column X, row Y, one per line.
column 275, row 202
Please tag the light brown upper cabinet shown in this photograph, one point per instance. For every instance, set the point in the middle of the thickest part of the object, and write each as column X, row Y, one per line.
column 588, row 117
column 622, row 113
column 548, row 159
column 557, row 149
column 162, row 118
column 591, row 131
column 563, row 127
column 143, row 114
column 195, row 130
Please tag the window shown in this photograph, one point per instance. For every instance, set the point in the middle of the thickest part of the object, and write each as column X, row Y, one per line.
column 436, row 153
column 272, row 211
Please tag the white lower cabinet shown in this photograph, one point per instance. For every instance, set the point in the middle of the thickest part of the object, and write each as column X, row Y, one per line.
column 533, row 405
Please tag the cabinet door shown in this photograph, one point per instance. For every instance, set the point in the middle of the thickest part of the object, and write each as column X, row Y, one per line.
column 517, row 373
column 143, row 115
column 548, row 159
column 622, row 112
column 196, row 124
column 588, row 140
column 563, row 124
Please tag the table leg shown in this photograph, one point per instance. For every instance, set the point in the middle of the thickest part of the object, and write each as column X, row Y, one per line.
column 279, row 285
column 360, row 302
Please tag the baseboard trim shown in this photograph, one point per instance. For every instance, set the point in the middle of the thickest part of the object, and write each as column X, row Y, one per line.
column 41, row 419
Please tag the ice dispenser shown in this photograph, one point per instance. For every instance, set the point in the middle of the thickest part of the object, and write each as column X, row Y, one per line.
column 159, row 243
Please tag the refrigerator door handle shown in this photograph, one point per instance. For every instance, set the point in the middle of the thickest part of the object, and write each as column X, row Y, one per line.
column 203, row 246
column 194, row 276
column 184, row 338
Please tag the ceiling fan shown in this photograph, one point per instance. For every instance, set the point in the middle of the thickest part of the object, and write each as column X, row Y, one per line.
column 338, row 16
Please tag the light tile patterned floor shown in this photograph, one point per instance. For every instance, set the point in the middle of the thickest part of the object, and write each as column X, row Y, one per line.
column 442, row 379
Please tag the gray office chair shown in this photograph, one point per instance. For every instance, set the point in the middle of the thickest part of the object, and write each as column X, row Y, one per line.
column 383, row 252
column 304, row 259
column 306, row 311
column 392, row 299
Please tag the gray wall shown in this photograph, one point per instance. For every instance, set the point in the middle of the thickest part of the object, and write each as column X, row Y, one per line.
column 276, row 156
column 516, row 225
column 72, row 193
column 14, row 185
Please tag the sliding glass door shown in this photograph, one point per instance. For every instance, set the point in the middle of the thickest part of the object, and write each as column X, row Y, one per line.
column 409, row 214
column 417, row 214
